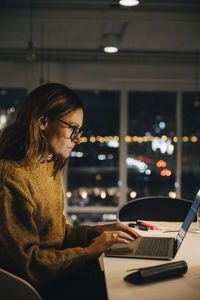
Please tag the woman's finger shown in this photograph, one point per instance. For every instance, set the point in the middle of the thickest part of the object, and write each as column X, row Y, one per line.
column 125, row 228
column 116, row 235
column 131, row 232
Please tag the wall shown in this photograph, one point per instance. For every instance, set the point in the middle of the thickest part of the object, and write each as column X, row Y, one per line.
column 99, row 75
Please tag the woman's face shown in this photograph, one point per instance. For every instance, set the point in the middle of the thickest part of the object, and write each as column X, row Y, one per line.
column 58, row 134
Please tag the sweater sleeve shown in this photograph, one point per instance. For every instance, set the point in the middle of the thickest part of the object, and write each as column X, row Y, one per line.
column 81, row 235
column 76, row 236
column 19, row 236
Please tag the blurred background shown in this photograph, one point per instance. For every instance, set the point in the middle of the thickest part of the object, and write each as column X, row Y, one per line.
column 136, row 68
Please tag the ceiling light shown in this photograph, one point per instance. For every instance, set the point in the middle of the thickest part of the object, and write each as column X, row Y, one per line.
column 110, row 49
column 110, row 43
column 128, row 2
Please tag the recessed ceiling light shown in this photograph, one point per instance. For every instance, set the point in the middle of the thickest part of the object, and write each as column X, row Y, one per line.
column 129, row 2
column 110, row 49
column 110, row 43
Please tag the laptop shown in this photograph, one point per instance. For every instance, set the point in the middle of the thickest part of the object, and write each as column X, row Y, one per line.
column 164, row 248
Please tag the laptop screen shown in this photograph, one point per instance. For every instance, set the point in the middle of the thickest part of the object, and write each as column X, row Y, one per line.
column 188, row 220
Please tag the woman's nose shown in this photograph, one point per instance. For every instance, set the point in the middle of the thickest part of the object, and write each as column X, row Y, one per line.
column 77, row 139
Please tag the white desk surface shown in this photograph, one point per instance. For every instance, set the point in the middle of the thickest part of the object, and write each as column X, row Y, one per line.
column 186, row 287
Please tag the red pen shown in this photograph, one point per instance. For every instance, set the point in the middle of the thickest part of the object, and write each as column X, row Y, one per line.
column 151, row 227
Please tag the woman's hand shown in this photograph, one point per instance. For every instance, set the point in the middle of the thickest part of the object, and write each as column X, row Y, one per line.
column 109, row 234
column 105, row 240
column 115, row 227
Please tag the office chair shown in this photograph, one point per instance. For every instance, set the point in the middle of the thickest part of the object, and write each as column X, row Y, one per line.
column 156, row 208
column 13, row 287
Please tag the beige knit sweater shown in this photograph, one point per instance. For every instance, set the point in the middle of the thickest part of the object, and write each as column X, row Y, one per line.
column 35, row 241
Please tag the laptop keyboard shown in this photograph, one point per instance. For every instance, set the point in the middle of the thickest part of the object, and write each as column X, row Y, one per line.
column 153, row 247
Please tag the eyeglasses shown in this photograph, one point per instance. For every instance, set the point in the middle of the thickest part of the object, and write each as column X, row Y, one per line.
column 76, row 131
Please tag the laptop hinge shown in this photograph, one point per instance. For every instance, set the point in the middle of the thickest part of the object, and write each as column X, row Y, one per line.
column 175, row 248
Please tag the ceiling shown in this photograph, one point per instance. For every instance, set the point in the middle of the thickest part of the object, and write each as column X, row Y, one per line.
column 71, row 30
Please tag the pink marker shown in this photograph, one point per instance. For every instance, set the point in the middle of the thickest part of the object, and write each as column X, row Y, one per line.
column 151, row 227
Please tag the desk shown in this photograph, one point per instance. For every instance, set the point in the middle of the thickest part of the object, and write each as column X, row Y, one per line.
column 182, row 288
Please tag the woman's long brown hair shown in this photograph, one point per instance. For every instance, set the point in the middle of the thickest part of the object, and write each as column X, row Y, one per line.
column 22, row 140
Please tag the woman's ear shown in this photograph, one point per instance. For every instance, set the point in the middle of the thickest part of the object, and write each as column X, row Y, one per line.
column 43, row 122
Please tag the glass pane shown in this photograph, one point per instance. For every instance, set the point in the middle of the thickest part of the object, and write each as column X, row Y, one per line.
column 10, row 99
column 151, row 144
column 93, row 167
column 190, row 145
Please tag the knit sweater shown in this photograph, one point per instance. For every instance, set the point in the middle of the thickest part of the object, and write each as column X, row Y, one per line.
column 35, row 241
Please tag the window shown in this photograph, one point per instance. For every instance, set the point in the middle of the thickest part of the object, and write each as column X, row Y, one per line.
column 10, row 99
column 93, row 171
column 190, row 144
column 151, row 144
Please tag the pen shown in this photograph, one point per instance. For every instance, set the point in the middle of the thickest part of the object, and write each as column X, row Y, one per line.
column 145, row 228
column 141, row 227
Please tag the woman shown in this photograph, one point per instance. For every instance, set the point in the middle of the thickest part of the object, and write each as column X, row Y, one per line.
column 35, row 241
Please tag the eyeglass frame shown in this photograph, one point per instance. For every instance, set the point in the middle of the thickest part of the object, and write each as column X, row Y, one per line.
column 75, row 130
